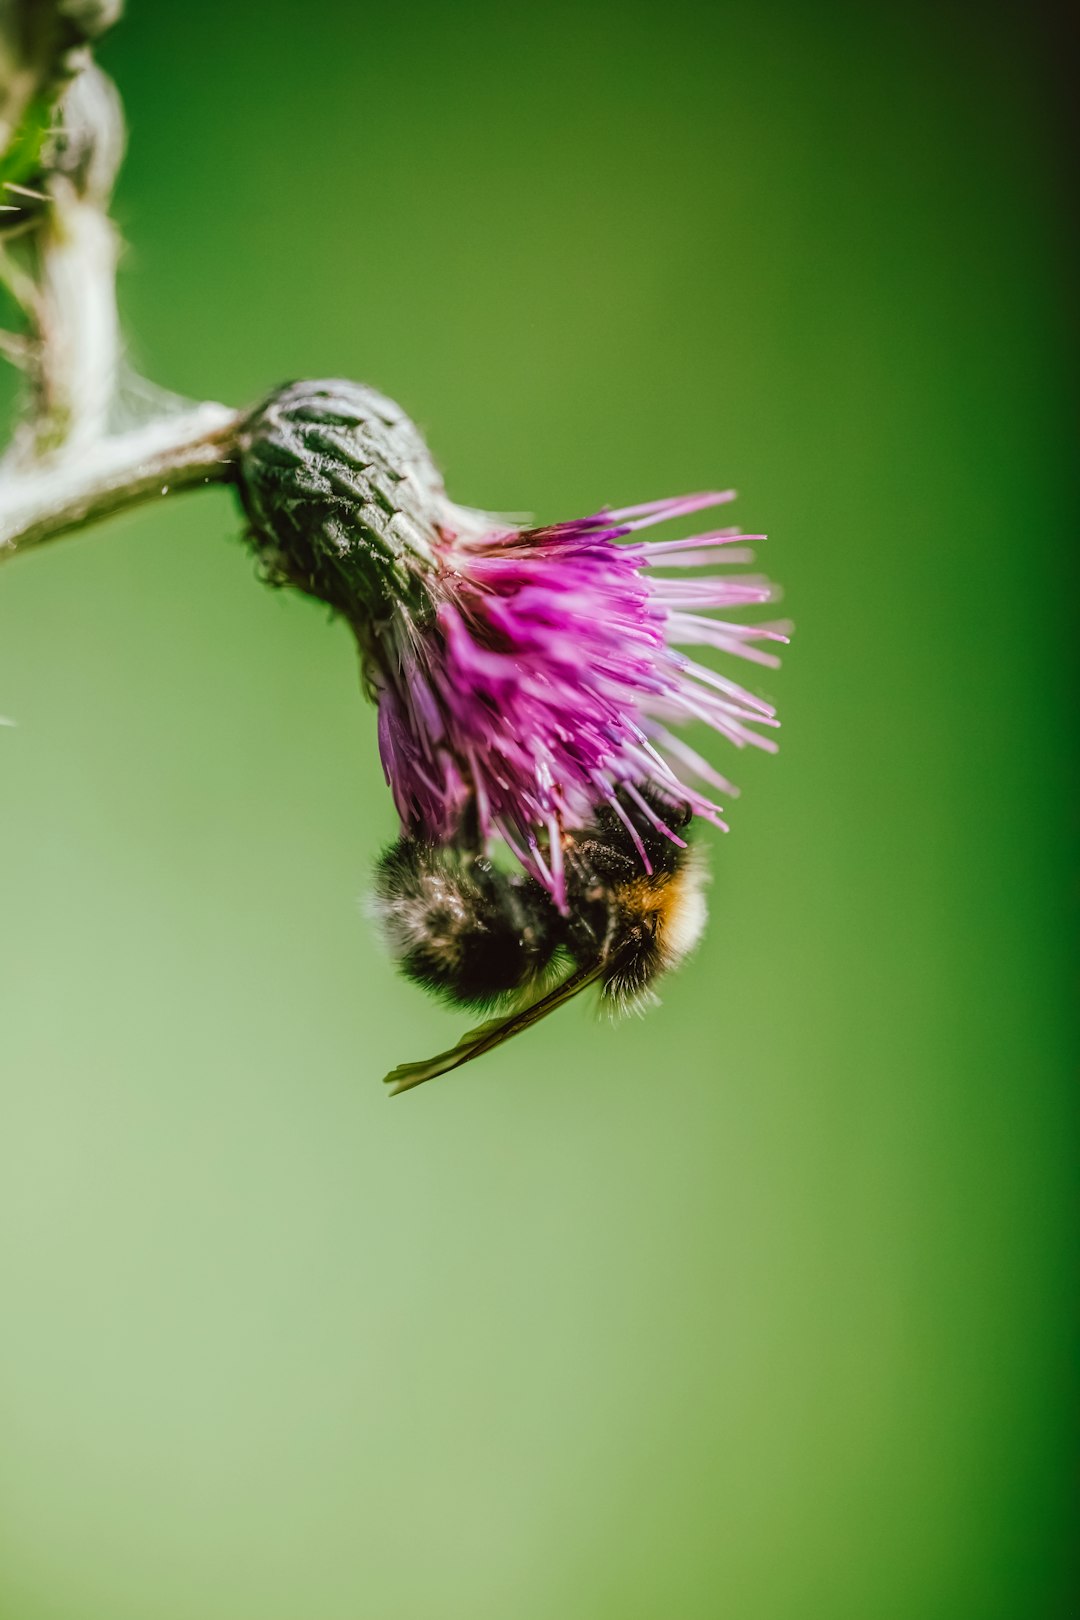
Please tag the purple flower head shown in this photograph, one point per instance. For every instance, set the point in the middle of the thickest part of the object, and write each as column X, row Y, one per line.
column 522, row 675
column 550, row 672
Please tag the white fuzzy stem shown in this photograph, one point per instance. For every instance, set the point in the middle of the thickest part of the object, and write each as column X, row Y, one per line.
column 80, row 331
column 53, row 496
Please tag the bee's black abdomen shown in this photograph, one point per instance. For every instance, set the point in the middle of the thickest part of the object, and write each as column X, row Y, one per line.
column 476, row 935
column 610, row 829
column 459, row 926
column 637, row 917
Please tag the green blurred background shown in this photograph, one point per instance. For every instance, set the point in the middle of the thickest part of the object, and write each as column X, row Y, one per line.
column 760, row 1308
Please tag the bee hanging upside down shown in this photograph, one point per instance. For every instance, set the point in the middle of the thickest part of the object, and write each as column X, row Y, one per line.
column 480, row 937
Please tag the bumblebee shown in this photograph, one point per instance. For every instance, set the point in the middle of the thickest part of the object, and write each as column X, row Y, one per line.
column 482, row 938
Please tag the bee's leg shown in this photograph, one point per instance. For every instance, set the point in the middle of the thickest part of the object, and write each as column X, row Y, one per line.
column 489, row 1035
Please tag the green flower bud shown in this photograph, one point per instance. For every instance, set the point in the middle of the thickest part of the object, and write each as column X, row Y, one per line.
column 343, row 498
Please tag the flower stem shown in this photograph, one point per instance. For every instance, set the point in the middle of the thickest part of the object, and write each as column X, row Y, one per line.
column 50, row 498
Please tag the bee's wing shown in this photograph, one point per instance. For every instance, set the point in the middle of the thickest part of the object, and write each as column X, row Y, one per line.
column 489, row 1035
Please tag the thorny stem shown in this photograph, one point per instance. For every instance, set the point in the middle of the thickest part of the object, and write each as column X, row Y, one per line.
column 58, row 252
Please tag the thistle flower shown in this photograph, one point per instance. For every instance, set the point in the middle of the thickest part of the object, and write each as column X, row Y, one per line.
column 525, row 677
